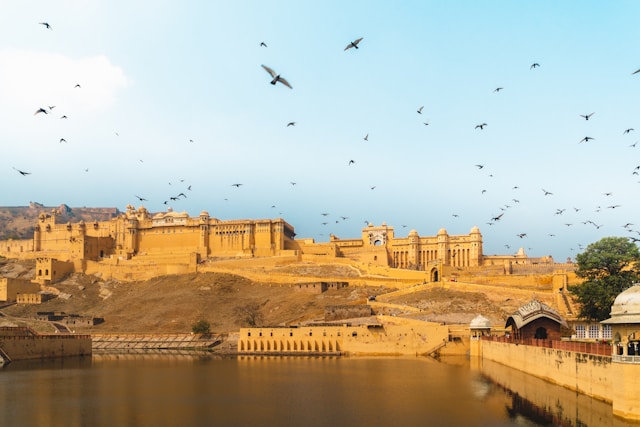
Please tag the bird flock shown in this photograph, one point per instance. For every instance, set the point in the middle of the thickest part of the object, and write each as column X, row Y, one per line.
column 572, row 216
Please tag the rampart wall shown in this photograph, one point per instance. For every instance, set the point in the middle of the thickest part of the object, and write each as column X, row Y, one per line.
column 45, row 346
column 585, row 373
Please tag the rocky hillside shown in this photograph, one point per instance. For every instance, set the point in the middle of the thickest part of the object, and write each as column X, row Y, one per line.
column 175, row 303
column 16, row 222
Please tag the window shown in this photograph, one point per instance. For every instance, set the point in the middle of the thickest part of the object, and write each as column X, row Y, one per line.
column 580, row 331
column 606, row 332
column 594, row 331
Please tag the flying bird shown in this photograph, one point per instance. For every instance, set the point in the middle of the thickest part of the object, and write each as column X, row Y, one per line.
column 353, row 44
column 77, row 85
column 498, row 89
column 236, row 185
column 366, row 137
column 142, row 199
column 63, row 140
column 23, row 173
column 276, row 77
column 534, row 65
column 521, row 235
column 636, row 71
column 291, row 124
column 587, row 116
column 351, row 162
column 263, row 44
column 586, row 139
column 48, row 27
column 628, row 130
column 481, row 126
column 547, row 193
column 420, row 110
column 65, row 117
column 479, row 166
column 40, row 110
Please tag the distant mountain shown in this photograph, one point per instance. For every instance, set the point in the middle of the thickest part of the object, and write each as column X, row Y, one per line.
column 16, row 222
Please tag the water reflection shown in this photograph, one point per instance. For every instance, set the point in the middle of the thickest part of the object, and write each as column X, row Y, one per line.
column 184, row 389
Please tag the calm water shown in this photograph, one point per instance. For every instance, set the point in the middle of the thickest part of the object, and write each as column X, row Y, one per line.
column 206, row 391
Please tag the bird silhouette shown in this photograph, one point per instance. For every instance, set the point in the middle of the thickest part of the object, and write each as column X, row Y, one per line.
column 291, row 124
column 142, row 199
column 636, row 71
column 521, row 235
column 586, row 139
column 587, row 116
column 77, row 85
column 420, row 110
column 276, row 77
column 263, row 44
column 41, row 110
column 65, row 117
column 23, row 173
column 351, row 162
column 353, row 44
column 366, row 137
column 547, row 193
column 293, row 183
column 481, row 126
column 236, row 185
column 479, row 166
column 534, row 65
column 498, row 89
column 628, row 130
column 46, row 25
column 62, row 140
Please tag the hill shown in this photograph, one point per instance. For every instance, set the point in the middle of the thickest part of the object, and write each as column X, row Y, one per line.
column 16, row 222
column 174, row 303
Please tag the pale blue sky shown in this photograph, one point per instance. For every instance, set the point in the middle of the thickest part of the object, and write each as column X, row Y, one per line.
column 156, row 74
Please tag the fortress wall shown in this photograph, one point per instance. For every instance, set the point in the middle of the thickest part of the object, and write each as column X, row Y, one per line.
column 393, row 337
column 529, row 281
column 45, row 346
column 15, row 248
column 168, row 239
column 585, row 373
column 567, row 406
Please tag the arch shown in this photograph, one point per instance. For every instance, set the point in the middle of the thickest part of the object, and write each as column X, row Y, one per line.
column 541, row 333
column 241, row 345
column 434, row 275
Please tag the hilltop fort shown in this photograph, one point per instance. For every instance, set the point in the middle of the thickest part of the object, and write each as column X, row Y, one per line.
column 136, row 244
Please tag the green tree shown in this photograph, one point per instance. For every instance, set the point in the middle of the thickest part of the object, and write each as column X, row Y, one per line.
column 609, row 266
column 201, row 327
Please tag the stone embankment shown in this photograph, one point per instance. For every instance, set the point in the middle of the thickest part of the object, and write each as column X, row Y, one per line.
column 120, row 342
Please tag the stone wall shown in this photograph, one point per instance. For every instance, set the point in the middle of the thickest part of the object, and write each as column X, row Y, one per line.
column 585, row 373
column 45, row 346
column 340, row 312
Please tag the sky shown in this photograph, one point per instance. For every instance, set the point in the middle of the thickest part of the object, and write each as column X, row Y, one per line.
column 150, row 99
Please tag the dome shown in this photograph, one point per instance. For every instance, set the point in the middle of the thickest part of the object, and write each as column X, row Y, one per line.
column 480, row 322
column 626, row 307
column 204, row 213
column 442, row 231
column 413, row 232
column 474, row 230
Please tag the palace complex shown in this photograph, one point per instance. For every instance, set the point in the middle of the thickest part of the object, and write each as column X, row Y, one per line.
column 180, row 243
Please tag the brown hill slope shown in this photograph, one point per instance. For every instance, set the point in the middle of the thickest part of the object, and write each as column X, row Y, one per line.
column 174, row 303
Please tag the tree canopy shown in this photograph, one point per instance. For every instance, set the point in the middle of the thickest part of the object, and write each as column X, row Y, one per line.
column 609, row 266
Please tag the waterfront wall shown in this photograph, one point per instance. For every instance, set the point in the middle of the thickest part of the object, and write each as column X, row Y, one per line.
column 390, row 336
column 585, row 373
column 44, row 346
column 566, row 407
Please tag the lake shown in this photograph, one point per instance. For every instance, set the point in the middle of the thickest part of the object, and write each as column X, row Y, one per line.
column 203, row 390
